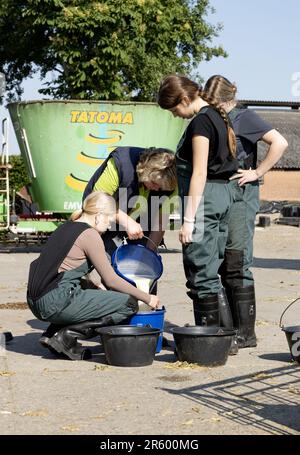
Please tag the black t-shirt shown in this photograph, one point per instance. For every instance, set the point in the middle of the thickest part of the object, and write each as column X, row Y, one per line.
column 209, row 123
column 249, row 128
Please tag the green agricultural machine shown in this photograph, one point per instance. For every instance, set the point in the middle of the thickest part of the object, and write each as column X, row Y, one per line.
column 63, row 142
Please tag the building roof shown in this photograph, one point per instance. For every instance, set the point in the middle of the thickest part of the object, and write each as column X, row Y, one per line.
column 291, row 104
column 287, row 122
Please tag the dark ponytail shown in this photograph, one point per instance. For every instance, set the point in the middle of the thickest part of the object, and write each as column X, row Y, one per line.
column 231, row 138
column 220, row 90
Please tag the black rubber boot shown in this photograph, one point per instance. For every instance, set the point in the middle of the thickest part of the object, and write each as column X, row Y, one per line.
column 85, row 330
column 226, row 319
column 225, row 311
column 49, row 332
column 242, row 303
column 65, row 342
column 89, row 329
column 206, row 311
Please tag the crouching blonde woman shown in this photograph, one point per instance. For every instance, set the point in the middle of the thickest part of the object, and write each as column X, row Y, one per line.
column 54, row 291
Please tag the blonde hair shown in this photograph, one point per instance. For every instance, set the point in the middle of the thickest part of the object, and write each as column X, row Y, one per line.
column 158, row 165
column 175, row 86
column 94, row 203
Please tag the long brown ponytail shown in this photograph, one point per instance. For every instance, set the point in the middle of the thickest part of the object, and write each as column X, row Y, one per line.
column 218, row 90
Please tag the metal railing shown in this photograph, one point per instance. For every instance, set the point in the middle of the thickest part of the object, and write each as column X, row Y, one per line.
column 4, row 178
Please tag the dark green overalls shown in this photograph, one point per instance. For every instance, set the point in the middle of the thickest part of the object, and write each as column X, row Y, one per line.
column 68, row 303
column 203, row 257
column 239, row 247
column 235, row 270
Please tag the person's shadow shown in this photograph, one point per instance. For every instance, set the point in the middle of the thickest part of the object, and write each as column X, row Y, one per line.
column 277, row 356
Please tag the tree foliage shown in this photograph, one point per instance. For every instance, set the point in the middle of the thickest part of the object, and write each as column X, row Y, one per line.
column 18, row 176
column 109, row 49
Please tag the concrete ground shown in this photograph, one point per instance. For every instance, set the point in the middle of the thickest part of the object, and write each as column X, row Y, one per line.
column 256, row 392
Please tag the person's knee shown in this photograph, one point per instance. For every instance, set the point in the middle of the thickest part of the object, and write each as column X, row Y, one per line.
column 232, row 268
column 35, row 311
column 233, row 261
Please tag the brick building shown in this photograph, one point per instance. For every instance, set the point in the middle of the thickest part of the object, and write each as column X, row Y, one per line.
column 282, row 183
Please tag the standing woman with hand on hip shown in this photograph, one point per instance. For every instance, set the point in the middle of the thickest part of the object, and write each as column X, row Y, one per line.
column 235, row 271
column 205, row 161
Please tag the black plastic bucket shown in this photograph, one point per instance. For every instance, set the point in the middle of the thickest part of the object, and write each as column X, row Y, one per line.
column 207, row 346
column 293, row 338
column 292, row 334
column 129, row 346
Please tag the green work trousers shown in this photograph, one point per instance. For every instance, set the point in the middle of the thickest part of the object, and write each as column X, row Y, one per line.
column 235, row 270
column 69, row 303
column 202, row 258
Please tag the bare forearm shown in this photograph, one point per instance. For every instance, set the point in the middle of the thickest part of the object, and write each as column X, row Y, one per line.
column 115, row 283
column 273, row 156
column 158, row 230
column 155, row 239
column 122, row 218
column 95, row 251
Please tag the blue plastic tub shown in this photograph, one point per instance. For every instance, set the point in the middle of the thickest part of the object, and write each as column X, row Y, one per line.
column 153, row 318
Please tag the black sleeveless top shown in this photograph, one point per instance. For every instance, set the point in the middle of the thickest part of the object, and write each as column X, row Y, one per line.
column 43, row 272
column 209, row 123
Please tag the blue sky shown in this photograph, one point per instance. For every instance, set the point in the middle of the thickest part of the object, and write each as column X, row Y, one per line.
column 262, row 38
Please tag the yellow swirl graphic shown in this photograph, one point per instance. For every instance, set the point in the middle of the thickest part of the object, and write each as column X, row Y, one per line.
column 116, row 137
column 75, row 183
column 79, row 185
column 90, row 160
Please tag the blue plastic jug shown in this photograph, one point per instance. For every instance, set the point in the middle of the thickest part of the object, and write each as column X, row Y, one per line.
column 136, row 260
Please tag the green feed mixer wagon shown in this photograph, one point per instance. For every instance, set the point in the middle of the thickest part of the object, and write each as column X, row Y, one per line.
column 63, row 142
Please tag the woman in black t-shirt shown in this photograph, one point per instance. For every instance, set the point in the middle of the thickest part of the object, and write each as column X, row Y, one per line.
column 235, row 270
column 205, row 161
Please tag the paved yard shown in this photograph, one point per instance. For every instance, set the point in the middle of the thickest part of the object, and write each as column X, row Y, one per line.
column 256, row 392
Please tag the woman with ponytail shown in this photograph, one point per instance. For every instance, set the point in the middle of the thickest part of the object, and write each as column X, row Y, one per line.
column 205, row 160
column 235, row 271
column 54, row 290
